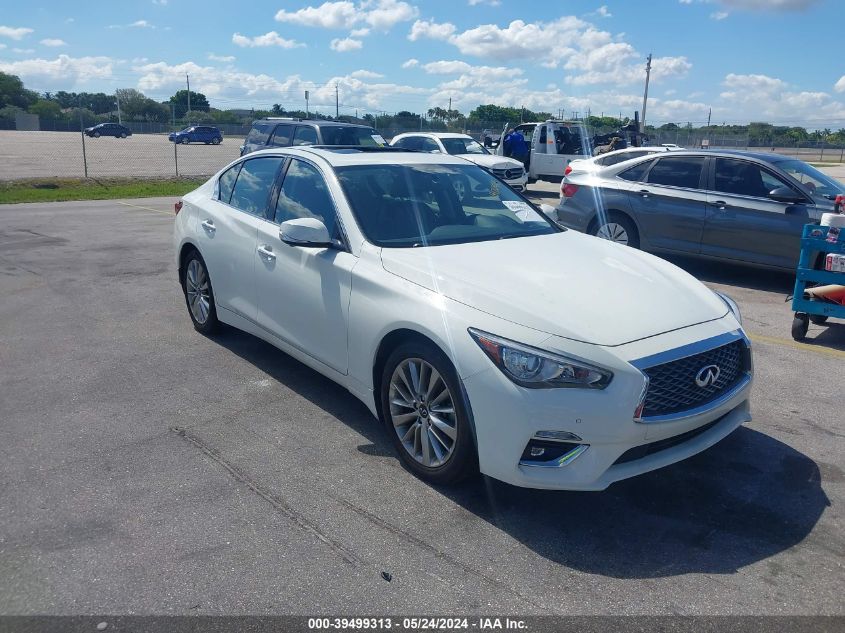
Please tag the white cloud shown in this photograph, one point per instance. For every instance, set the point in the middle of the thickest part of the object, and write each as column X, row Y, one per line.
column 378, row 14
column 141, row 24
column 345, row 45
column 431, row 30
column 365, row 74
column 53, row 42
column 770, row 5
column 15, row 33
column 604, row 12
column 221, row 58
column 719, row 15
column 268, row 39
column 161, row 3
column 765, row 98
column 71, row 70
column 415, row 62
column 492, row 3
column 23, row 51
column 839, row 86
column 2, row 46
column 359, row 32
column 70, row 20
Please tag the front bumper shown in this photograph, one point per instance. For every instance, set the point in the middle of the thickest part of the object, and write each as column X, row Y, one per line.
column 507, row 417
column 518, row 183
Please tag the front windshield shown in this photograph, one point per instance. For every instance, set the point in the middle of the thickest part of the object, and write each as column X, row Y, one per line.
column 401, row 206
column 459, row 146
column 340, row 135
column 815, row 181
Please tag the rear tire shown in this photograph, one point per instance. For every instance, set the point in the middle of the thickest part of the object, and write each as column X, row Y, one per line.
column 199, row 295
column 800, row 325
column 96, row 135
column 429, row 429
column 619, row 229
column 123, row 135
column 217, row 141
column 185, row 141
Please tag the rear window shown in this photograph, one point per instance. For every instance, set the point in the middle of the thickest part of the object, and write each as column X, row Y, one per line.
column 340, row 135
column 281, row 137
column 637, row 172
column 252, row 187
column 259, row 133
column 681, row 171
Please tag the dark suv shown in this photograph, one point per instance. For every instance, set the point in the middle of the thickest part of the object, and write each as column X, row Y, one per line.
column 108, row 129
column 285, row 132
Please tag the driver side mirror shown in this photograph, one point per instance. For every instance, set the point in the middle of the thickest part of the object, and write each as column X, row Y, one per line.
column 305, row 232
column 787, row 195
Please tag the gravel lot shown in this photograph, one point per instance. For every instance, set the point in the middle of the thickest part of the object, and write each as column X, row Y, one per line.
column 147, row 469
column 51, row 154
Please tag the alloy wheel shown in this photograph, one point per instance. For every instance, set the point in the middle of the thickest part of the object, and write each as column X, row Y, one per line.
column 197, row 291
column 613, row 232
column 422, row 411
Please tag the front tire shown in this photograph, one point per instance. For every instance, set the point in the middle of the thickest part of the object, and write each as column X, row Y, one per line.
column 199, row 295
column 800, row 325
column 425, row 414
column 185, row 141
column 96, row 135
column 123, row 135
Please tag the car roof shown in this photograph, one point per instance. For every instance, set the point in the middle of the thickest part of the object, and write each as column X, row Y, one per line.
column 313, row 122
column 435, row 134
column 345, row 156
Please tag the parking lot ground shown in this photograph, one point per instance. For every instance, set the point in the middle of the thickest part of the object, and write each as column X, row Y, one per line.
column 145, row 469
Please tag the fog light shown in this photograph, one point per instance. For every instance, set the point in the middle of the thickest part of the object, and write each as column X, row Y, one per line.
column 548, row 454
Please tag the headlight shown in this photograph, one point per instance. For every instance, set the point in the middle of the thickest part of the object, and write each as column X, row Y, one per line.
column 537, row 369
column 732, row 306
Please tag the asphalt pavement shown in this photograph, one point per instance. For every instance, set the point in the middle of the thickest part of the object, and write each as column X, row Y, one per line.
column 146, row 469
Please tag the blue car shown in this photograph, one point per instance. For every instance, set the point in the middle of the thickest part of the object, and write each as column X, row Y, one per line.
column 198, row 134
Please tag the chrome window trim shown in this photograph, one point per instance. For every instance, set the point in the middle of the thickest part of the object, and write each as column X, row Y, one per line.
column 685, row 351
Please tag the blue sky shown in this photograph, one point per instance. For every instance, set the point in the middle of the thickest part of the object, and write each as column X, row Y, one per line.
column 773, row 60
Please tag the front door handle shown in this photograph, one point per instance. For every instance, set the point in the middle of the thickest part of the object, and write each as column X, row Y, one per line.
column 720, row 204
column 644, row 193
column 208, row 225
column 266, row 252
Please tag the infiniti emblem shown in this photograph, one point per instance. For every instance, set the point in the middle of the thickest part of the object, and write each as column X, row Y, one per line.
column 707, row 376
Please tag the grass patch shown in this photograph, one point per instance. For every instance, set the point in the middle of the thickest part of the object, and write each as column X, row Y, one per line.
column 63, row 189
column 826, row 164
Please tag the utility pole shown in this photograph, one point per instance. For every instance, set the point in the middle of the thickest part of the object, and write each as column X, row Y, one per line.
column 645, row 94
column 709, row 112
column 450, row 105
column 306, row 104
column 117, row 96
column 188, row 113
column 522, row 115
column 336, row 103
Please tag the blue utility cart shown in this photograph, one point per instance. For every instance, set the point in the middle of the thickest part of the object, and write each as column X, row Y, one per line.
column 814, row 240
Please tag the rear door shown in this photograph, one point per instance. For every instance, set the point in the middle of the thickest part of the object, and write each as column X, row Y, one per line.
column 227, row 231
column 743, row 223
column 305, row 135
column 670, row 205
column 281, row 135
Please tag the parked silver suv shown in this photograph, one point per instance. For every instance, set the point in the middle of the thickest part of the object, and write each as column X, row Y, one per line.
column 748, row 207
column 284, row 132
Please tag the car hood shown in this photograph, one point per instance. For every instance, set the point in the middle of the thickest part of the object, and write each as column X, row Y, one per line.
column 491, row 161
column 565, row 284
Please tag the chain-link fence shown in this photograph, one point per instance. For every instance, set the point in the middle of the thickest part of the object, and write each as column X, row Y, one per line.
column 148, row 153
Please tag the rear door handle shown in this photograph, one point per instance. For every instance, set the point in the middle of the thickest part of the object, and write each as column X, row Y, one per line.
column 644, row 193
column 208, row 225
column 266, row 252
column 720, row 204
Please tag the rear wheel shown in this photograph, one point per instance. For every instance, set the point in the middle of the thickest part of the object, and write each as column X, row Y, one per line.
column 217, row 141
column 424, row 411
column 618, row 228
column 123, row 135
column 199, row 295
column 185, row 140
column 96, row 135
column 800, row 325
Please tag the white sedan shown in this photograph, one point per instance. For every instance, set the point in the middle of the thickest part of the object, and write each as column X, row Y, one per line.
column 508, row 169
column 480, row 333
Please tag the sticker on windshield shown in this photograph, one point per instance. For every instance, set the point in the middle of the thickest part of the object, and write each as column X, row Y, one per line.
column 521, row 209
column 379, row 139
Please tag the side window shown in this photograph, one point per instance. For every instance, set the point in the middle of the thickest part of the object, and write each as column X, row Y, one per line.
column 681, row 171
column 281, row 137
column 429, row 145
column 305, row 135
column 742, row 178
column 612, row 160
column 541, row 147
column 304, row 194
column 226, row 182
column 252, row 188
column 637, row 172
column 403, row 143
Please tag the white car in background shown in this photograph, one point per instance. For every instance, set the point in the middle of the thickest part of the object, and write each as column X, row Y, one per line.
column 483, row 335
column 606, row 160
column 463, row 145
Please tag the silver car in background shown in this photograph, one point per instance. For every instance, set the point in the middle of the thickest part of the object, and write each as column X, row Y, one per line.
column 747, row 207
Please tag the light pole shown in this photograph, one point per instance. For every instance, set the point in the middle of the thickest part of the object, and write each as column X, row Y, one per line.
column 645, row 94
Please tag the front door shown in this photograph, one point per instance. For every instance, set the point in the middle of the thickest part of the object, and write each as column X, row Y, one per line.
column 303, row 292
column 670, row 204
column 743, row 223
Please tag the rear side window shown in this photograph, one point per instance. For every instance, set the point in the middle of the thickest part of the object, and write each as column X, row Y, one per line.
column 680, row 171
column 637, row 172
column 253, row 185
column 281, row 136
column 340, row 135
column 618, row 158
column 304, row 194
column 305, row 136
column 227, row 182
column 259, row 133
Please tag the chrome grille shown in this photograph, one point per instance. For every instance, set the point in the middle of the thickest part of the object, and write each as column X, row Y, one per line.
column 509, row 174
column 672, row 386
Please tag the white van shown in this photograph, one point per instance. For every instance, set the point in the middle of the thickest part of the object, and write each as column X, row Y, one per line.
column 553, row 145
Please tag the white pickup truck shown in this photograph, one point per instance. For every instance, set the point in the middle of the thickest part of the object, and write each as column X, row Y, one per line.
column 553, row 145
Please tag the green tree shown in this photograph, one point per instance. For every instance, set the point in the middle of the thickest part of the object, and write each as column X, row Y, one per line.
column 13, row 93
column 46, row 109
column 180, row 101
